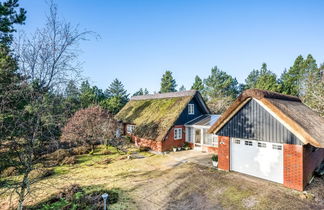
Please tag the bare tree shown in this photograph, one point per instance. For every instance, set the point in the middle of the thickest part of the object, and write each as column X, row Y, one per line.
column 46, row 62
column 50, row 56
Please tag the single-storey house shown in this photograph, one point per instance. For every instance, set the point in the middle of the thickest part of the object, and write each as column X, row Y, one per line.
column 167, row 120
column 271, row 136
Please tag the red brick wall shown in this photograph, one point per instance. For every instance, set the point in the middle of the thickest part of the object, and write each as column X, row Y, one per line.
column 169, row 142
column 224, row 153
column 161, row 146
column 154, row 145
column 312, row 159
column 293, row 166
column 210, row 149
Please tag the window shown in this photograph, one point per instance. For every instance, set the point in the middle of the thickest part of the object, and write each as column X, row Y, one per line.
column 215, row 140
column 177, row 133
column 130, row 128
column 248, row 143
column 277, row 147
column 191, row 109
column 189, row 133
column 263, row 145
column 237, row 141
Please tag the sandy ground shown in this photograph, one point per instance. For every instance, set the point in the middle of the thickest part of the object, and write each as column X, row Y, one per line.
column 176, row 181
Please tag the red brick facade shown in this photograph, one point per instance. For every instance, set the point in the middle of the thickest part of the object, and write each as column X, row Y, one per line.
column 293, row 166
column 162, row 146
column 299, row 164
column 224, row 153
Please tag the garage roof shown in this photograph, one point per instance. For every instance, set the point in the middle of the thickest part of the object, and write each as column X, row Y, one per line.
column 298, row 118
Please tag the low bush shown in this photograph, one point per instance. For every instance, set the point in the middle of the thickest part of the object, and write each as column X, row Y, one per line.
column 81, row 150
column 105, row 161
column 10, row 171
column 144, row 149
column 69, row 161
column 75, row 197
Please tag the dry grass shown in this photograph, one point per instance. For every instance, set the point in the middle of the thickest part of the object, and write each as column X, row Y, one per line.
column 155, row 183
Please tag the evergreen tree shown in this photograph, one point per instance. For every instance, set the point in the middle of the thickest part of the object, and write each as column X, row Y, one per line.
column 262, row 79
column 87, row 95
column 116, row 97
column 198, row 84
column 252, row 78
column 182, row 88
column 141, row 92
column 291, row 79
column 220, row 84
column 9, row 16
column 168, row 83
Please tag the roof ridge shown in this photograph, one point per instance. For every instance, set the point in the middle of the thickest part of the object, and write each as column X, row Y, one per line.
column 259, row 94
column 165, row 95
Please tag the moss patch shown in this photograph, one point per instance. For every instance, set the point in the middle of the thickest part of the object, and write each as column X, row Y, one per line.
column 150, row 123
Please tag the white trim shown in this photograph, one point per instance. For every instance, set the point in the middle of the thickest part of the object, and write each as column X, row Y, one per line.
column 177, row 133
column 191, row 109
column 130, row 128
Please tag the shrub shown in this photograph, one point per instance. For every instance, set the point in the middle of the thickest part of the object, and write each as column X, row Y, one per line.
column 144, row 149
column 69, row 161
column 59, row 155
column 74, row 197
column 10, row 171
column 81, row 150
column 105, row 161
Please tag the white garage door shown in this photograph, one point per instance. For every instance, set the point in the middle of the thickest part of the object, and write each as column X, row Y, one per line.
column 257, row 158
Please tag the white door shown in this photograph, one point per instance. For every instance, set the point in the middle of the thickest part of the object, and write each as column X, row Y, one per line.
column 257, row 158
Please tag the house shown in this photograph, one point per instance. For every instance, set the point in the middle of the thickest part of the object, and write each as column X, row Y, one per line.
column 161, row 121
column 271, row 136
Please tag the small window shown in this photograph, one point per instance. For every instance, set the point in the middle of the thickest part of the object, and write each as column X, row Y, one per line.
column 215, row 140
column 237, row 141
column 248, row 143
column 191, row 109
column 263, row 145
column 130, row 128
column 177, row 133
column 277, row 147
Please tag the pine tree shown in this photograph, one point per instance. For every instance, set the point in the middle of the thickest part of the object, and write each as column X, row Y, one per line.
column 263, row 79
column 291, row 79
column 182, row 88
column 220, row 84
column 116, row 96
column 168, row 83
column 141, row 92
column 9, row 16
column 198, row 84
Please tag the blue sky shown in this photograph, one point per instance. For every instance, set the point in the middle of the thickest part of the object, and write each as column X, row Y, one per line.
column 141, row 39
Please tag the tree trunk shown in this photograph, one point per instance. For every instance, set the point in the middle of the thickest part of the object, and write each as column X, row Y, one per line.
column 24, row 186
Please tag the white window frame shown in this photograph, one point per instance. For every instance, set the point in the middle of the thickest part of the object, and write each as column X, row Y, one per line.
column 177, row 135
column 191, row 109
column 215, row 140
column 130, row 129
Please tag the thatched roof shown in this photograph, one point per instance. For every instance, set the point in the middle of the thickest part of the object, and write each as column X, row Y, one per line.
column 299, row 119
column 154, row 115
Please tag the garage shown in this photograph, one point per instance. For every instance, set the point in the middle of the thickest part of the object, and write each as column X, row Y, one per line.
column 256, row 158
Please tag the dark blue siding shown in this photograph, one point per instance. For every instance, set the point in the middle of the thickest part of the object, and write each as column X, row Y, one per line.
column 255, row 123
column 185, row 117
